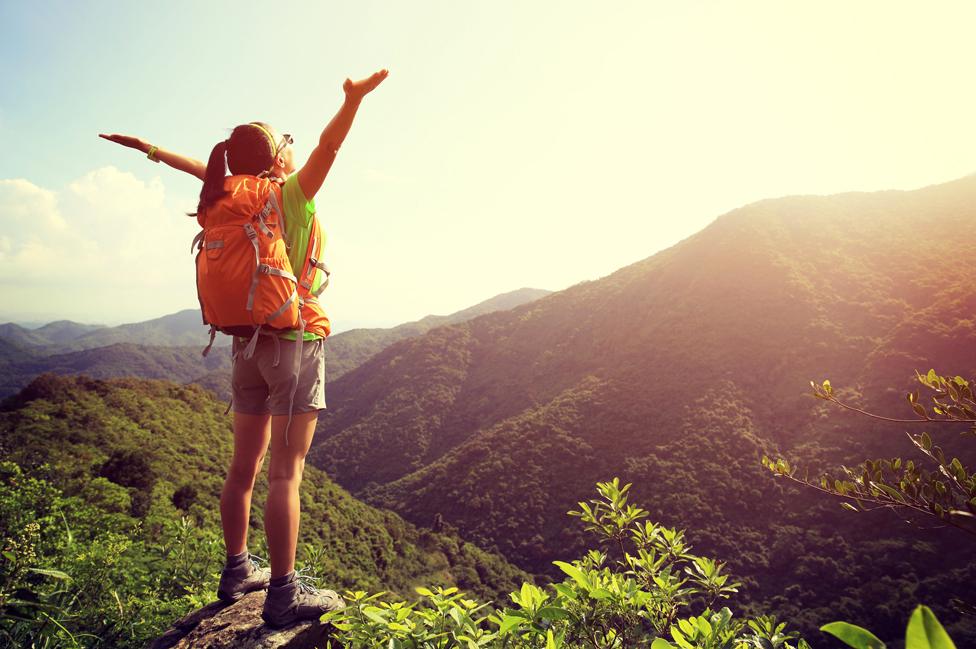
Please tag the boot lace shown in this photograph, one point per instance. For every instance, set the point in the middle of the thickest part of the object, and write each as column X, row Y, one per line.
column 254, row 564
column 305, row 580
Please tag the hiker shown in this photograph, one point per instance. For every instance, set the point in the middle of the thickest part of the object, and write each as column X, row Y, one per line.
column 269, row 398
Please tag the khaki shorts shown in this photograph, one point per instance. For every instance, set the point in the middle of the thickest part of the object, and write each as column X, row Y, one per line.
column 260, row 387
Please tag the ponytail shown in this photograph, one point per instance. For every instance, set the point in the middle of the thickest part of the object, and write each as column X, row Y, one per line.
column 213, row 183
column 249, row 150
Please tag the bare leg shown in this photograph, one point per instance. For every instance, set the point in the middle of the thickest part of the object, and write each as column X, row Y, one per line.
column 251, row 436
column 282, row 511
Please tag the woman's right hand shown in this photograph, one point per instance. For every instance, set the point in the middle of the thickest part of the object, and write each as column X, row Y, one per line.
column 127, row 140
column 359, row 89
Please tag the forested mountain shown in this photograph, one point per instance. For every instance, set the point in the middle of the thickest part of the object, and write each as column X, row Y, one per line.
column 676, row 373
column 18, row 336
column 349, row 349
column 62, row 331
column 183, row 328
column 146, row 349
column 176, row 329
column 155, row 450
column 52, row 333
column 180, row 364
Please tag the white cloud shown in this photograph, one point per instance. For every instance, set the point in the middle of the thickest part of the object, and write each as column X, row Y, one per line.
column 28, row 208
column 109, row 247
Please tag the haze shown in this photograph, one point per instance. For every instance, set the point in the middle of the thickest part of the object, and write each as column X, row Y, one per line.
column 513, row 144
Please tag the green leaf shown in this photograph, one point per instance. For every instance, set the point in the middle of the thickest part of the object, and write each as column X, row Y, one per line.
column 565, row 591
column 553, row 613
column 550, row 641
column 57, row 574
column 374, row 613
column 679, row 638
column 925, row 632
column 853, row 635
column 849, row 506
column 575, row 573
column 893, row 493
column 508, row 623
column 705, row 627
column 953, row 393
column 600, row 593
column 424, row 591
column 661, row 643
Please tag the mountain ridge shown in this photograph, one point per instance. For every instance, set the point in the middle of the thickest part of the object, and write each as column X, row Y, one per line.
column 766, row 298
column 25, row 354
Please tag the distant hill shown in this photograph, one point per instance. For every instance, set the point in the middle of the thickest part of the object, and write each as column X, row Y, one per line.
column 676, row 372
column 183, row 328
column 347, row 350
column 153, row 350
column 180, row 440
column 19, row 337
column 52, row 333
column 177, row 329
column 11, row 351
column 62, row 331
column 180, row 364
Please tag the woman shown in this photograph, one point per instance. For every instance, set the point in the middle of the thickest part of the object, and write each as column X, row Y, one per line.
column 269, row 403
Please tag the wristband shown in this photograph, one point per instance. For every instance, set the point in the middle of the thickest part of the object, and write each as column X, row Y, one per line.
column 152, row 153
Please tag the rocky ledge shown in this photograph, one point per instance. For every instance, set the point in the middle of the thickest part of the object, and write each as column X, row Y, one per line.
column 239, row 626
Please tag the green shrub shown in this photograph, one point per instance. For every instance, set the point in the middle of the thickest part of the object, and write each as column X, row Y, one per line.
column 93, row 582
column 649, row 590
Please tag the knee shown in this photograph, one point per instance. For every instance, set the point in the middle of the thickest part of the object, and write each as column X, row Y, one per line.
column 287, row 472
column 245, row 473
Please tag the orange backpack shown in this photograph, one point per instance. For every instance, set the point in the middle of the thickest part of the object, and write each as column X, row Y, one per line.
column 244, row 278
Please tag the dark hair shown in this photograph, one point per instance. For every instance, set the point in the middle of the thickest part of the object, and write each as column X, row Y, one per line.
column 247, row 151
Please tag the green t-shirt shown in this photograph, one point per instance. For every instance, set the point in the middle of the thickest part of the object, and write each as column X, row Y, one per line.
column 299, row 212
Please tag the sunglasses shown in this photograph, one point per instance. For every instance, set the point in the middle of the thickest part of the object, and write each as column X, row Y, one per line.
column 286, row 139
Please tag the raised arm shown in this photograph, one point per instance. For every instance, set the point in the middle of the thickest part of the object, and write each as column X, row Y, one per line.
column 312, row 174
column 174, row 160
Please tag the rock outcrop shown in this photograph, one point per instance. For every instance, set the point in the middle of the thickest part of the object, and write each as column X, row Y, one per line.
column 239, row 626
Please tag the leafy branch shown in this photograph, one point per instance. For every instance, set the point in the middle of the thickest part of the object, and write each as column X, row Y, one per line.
column 962, row 410
column 947, row 493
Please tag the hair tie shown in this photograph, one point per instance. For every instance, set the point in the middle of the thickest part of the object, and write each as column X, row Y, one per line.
column 271, row 140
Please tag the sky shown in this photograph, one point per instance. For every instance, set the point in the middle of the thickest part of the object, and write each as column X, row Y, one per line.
column 513, row 144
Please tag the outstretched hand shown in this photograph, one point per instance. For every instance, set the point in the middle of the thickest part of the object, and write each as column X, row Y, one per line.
column 359, row 89
column 127, row 140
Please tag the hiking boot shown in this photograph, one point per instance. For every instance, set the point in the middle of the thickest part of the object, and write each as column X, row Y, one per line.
column 296, row 600
column 240, row 577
